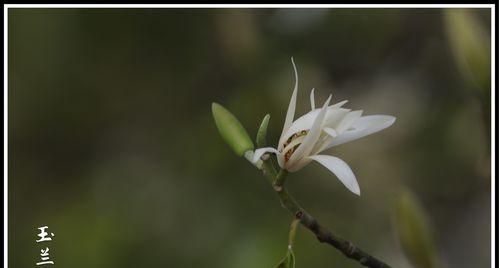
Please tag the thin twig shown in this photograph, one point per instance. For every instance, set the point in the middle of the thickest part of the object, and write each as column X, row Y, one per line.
column 323, row 235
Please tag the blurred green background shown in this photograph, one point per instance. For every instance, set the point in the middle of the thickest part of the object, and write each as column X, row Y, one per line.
column 113, row 146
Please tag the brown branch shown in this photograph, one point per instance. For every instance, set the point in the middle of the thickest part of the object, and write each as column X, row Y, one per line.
column 323, row 235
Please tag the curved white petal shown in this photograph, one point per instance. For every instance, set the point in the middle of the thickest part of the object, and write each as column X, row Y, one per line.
column 261, row 151
column 348, row 121
column 339, row 104
column 323, row 141
column 335, row 116
column 299, row 164
column 312, row 99
column 292, row 103
column 306, row 121
column 280, row 160
column 326, row 140
column 340, row 169
column 313, row 134
column 363, row 126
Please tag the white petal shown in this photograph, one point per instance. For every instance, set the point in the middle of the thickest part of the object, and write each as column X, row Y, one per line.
column 331, row 132
column 363, row 126
column 339, row 104
column 323, row 140
column 292, row 103
column 312, row 99
column 340, row 169
column 261, row 151
column 299, row 164
column 280, row 160
column 306, row 121
column 335, row 116
column 348, row 121
column 313, row 134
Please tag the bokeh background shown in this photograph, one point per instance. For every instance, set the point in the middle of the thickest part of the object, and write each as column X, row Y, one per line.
column 113, row 146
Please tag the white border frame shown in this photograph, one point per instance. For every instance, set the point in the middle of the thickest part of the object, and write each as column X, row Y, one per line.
column 249, row 6
column 376, row 6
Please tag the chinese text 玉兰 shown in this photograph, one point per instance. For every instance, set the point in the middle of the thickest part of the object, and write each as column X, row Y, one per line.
column 44, row 237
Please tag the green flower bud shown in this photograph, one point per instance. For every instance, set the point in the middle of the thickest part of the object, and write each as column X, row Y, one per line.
column 231, row 130
column 413, row 230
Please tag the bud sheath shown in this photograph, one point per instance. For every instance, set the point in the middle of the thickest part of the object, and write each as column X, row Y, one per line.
column 231, row 130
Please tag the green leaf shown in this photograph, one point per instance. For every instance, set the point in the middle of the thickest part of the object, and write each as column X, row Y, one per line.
column 231, row 130
column 414, row 232
column 288, row 261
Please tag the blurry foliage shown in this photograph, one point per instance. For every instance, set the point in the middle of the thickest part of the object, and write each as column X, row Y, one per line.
column 470, row 42
column 414, row 232
column 113, row 146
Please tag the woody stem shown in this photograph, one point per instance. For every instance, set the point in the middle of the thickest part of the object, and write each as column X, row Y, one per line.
column 323, row 235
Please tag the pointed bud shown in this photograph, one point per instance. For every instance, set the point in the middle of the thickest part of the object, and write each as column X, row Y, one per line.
column 414, row 233
column 261, row 136
column 231, row 130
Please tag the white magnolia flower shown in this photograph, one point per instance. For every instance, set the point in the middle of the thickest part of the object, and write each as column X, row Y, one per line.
column 305, row 138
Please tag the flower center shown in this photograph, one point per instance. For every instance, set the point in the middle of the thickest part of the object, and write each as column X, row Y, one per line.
column 292, row 143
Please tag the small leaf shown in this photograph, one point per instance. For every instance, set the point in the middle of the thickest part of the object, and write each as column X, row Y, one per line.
column 231, row 130
column 261, row 141
column 288, row 261
column 261, row 136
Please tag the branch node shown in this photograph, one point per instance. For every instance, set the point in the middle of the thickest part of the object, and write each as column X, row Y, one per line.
column 278, row 188
column 350, row 248
column 299, row 214
column 364, row 260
